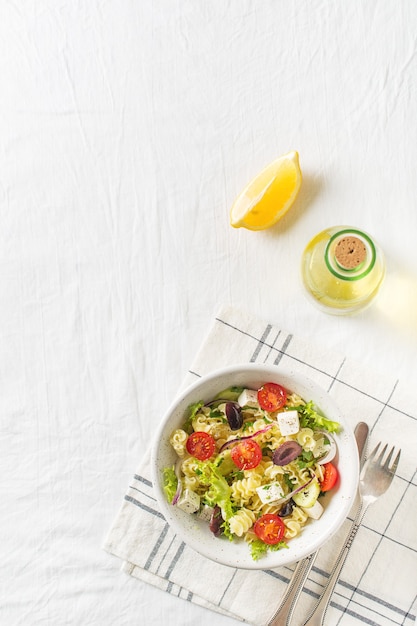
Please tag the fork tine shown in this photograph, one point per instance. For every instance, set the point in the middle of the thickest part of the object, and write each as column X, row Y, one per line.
column 381, row 456
column 374, row 452
column 388, row 459
column 369, row 461
column 396, row 461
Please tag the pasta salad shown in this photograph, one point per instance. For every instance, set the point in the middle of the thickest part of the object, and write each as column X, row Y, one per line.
column 253, row 464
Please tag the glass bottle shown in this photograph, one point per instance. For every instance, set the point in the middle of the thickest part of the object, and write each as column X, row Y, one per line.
column 342, row 269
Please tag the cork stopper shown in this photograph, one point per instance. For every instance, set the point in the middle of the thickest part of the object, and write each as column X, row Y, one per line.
column 350, row 252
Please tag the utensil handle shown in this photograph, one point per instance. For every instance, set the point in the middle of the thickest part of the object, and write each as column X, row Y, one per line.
column 361, row 436
column 283, row 614
column 318, row 614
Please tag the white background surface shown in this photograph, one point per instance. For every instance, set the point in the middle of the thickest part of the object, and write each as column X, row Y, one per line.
column 126, row 131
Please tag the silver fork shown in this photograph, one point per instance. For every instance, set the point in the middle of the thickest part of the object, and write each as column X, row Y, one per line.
column 375, row 478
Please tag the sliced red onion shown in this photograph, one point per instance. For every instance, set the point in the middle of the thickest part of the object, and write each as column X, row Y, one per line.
column 232, row 441
column 331, row 453
column 290, row 495
column 179, row 485
column 220, row 401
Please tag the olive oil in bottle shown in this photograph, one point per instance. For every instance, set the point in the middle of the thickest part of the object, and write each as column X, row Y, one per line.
column 342, row 269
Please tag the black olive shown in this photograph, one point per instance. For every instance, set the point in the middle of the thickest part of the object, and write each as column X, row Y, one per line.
column 234, row 415
column 286, row 453
column 286, row 508
column 216, row 521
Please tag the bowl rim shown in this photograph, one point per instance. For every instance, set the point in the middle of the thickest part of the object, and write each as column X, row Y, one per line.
column 272, row 559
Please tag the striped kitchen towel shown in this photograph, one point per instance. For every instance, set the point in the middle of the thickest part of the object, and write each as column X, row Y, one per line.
column 378, row 582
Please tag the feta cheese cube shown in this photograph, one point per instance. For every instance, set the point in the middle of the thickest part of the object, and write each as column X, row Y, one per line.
column 248, row 397
column 314, row 511
column 205, row 513
column 189, row 501
column 288, row 422
column 270, row 493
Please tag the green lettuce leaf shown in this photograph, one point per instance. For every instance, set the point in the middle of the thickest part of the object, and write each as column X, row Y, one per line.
column 170, row 483
column 310, row 418
column 219, row 491
column 258, row 548
column 193, row 409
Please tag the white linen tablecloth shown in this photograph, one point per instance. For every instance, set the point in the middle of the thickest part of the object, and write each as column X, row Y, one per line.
column 378, row 582
column 127, row 129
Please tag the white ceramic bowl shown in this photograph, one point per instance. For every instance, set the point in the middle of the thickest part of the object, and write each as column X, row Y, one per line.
column 337, row 503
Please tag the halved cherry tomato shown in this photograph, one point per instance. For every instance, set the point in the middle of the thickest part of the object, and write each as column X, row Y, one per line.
column 272, row 397
column 246, row 454
column 330, row 477
column 269, row 528
column 201, row 445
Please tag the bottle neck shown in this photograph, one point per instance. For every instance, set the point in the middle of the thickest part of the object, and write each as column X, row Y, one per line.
column 350, row 254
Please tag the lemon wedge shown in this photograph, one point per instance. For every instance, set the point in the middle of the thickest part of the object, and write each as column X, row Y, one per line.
column 269, row 195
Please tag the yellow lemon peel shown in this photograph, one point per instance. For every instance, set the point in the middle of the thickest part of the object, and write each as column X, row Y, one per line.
column 269, row 195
